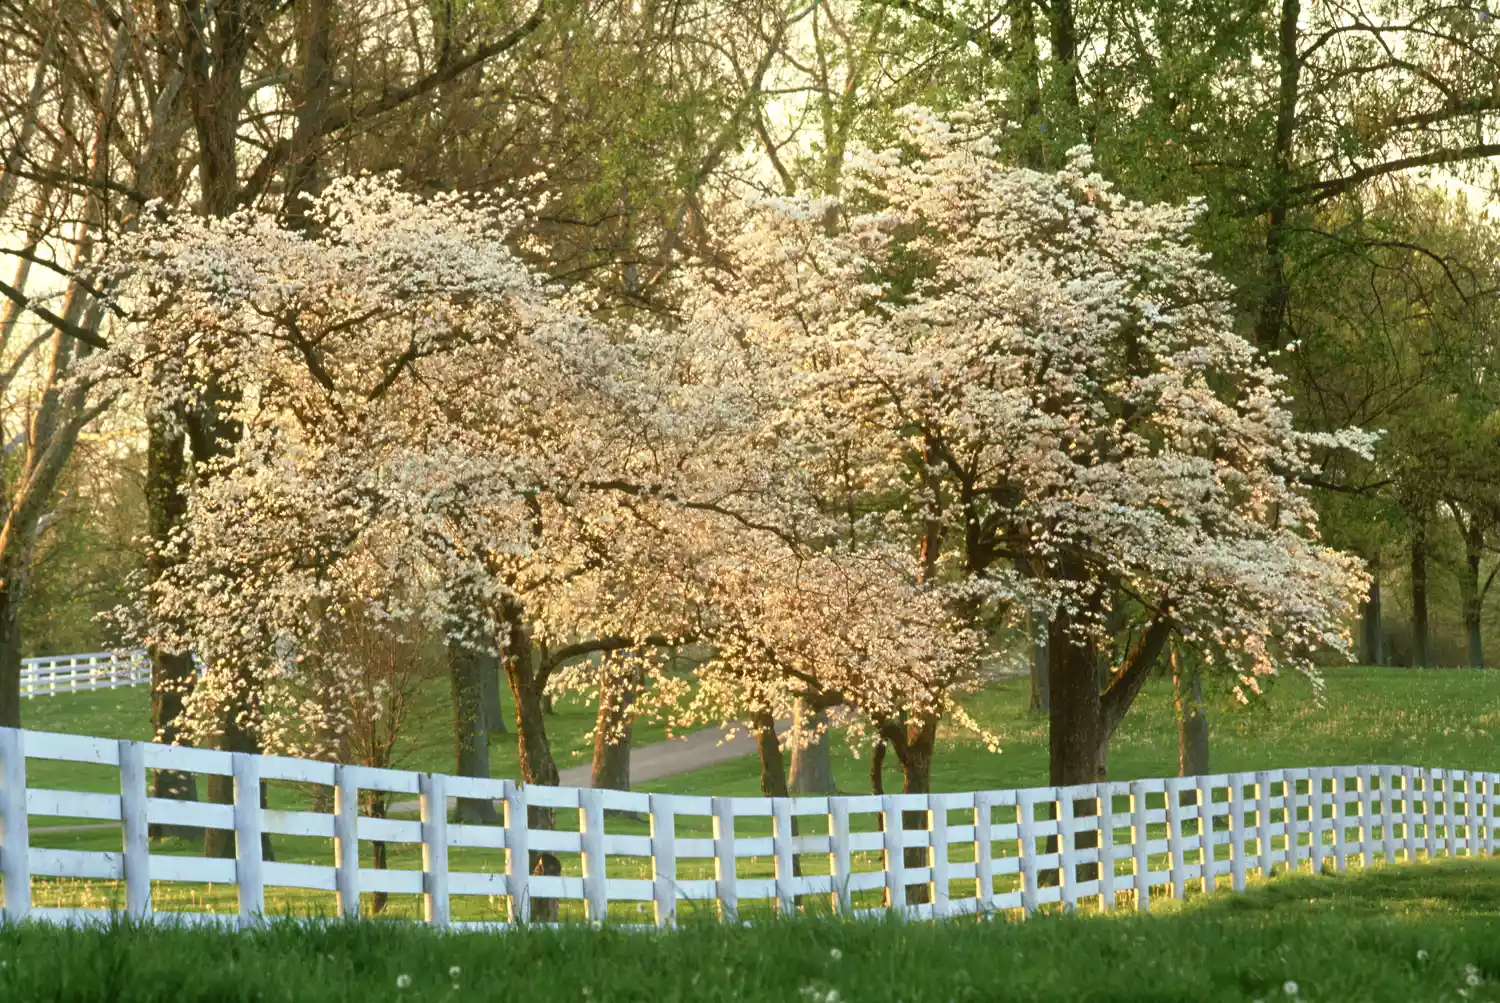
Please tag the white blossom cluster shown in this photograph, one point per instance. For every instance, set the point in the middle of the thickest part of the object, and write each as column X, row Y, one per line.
column 1051, row 374
column 1033, row 376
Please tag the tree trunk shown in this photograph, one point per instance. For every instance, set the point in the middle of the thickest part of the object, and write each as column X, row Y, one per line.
column 1041, row 687
column 492, row 712
column 527, row 676
column 916, row 778
column 613, row 729
column 1472, row 594
column 1079, row 733
column 172, row 672
column 471, row 745
column 10, row 661
column 1371, row 630
column 772, row 763
column 1421, row 645
column 1192, row 720
column 812, row 760
column 1276, row 293
column 234, row 737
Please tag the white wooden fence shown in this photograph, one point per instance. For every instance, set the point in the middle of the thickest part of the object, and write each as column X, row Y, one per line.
column 983, row 851
column 98, row 670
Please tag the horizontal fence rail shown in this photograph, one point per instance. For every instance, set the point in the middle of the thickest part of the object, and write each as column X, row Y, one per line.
column 567, row 853
column 99, row 670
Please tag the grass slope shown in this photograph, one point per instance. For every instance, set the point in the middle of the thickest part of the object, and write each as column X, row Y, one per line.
column 1421, row 717
column 1424, row 932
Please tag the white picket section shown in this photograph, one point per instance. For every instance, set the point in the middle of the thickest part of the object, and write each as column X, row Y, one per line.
column 1035, row 849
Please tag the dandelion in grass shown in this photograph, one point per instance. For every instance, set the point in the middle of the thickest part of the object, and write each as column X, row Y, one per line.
column 1422, row 955
column 403, row 981
column 1473, row 979
column 454, row 973
column 1290, row 988
column 836, row 954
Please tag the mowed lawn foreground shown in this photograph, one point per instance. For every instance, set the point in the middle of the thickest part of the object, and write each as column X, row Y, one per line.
column 1422, row 932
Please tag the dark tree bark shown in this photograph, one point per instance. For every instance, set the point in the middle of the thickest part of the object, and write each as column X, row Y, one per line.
column 1470, row 589
column 1277, row 289
column 1192, row 720
column 471, row 744
column 492, row 712
column 613, row 730
column 1420, row 637
column 812, row 762
column 914, row 744
column 772, row 762
column 1372, row 631
column 172, row 672
column 1041, row 683
column 10, row 661
column 526, row 669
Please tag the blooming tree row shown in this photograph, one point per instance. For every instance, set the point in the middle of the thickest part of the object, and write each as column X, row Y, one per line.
column 962, row 393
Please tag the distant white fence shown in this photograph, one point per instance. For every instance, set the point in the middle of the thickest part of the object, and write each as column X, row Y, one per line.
column 1149, row 841
column 99, row 670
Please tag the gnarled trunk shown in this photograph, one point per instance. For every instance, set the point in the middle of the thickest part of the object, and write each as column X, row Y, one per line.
column 1420, row 638
column 812, row 760
column 172, row 672
column 527, row 672
column 1192, row 720
column 10, row 661
column 491, row 711
column 1371, row 630
column 470, row 740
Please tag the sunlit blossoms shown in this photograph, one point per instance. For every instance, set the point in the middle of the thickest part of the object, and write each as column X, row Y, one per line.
column 1047, row 379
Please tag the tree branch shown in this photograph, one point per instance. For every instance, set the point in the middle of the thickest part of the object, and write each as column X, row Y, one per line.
column 1320, row 191
column 77, row 331
column 1127, row 682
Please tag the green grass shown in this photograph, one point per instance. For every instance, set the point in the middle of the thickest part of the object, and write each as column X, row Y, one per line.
column 1424, row 932
column 1447, row 718
column 1422, row 717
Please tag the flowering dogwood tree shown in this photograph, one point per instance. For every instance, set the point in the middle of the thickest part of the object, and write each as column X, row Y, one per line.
column 430, row 437
column 1048, row 376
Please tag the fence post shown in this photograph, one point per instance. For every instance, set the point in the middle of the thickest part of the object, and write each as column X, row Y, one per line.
column 1409, row 802
column 595, row 876
column 1490, row 782
column 518, row 856
column 1176, row 852
column 895, row 855
column 1139, row 844
column 725, row 876
column 1388, row 814
column 1263, row 822
column 781, row 846
column 1206, row 832
column 1067, row 863
column 346, row 840
column 1366, row 827
column 15, row 841
column 1293, row 820
column 937, row 853
column 1106, row 847
column 434, row 802
column 1471, row 796
column 984, row 850
column 248, row 873
column 1026, row 850
column 1430, row 803
column 137, row 856
column 1450, row 813
column 664, row 859
column 1237, row 831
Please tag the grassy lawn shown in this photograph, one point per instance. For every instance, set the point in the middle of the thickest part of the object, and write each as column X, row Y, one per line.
column 1411, row 933
column 1420, row 717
